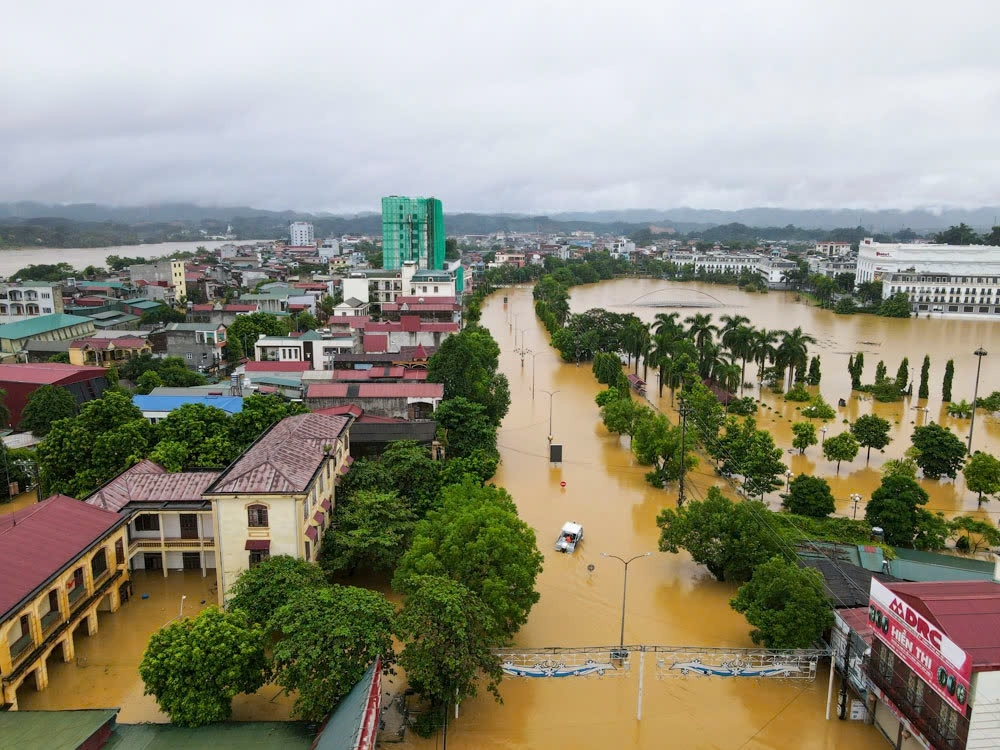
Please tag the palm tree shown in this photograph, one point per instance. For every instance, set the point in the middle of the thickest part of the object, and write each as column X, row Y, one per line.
column 793, row 352
column 701, row 328
column 727, row 375
column 668, row 322
column 731, row 323
column 763, row 349
column 739, row 341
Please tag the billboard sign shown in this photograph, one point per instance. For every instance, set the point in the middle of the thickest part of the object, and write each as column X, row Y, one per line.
column 933, row 656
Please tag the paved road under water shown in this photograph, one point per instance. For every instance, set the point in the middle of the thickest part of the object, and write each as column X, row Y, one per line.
column 670, row 599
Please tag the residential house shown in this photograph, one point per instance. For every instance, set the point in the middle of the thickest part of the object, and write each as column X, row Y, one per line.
column 319, row 348
column 200, row 345
column 157, row 407
column 28, row 299
column 278, row 497
column 409, row 401
column 105, row 352
column 409, row 331
column 167, row 275
column 62, row 561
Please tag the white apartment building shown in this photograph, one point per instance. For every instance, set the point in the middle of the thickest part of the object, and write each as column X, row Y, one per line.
column 734, row 263
column 876, row 259
column 774, row 271
column 832, row 249
column 301, row 234
column 29, row 299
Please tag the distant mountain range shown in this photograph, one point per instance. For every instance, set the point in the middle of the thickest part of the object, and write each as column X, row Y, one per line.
column 619, row 222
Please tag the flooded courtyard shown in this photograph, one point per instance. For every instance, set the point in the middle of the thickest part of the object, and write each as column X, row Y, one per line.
column 671, row 601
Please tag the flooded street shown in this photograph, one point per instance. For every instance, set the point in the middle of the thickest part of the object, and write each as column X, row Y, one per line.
column 671, row 601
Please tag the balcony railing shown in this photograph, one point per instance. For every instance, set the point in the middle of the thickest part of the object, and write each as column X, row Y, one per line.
column 921, row 723
column 77, row 594
column 50, row 618
column 19, row 646
column 172, row 542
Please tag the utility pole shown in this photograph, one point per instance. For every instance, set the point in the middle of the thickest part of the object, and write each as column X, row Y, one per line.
column 683, row 410
column 980, row 353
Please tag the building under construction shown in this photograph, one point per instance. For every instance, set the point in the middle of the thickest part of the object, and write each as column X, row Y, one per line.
column 412, row 229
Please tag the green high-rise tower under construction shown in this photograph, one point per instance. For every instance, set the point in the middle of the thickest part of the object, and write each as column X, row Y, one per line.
column 412, row 229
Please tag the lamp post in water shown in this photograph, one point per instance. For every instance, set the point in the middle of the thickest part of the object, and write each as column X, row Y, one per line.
column 623, row 561
column 551, row 396
column 980, row 353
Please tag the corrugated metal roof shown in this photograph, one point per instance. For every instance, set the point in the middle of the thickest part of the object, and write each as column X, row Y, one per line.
column 253, row 366
column 61, row 730
column 228, row 404
column 48, row 373
column 259, row 735
column 148, row 482
column 376, row 343
column 401, row 390
column 967, row 611
column 285, row 458
column 39, row 541
column 344, row 726
column 42, row 324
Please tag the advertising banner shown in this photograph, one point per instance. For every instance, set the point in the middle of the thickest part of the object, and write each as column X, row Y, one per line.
column 924, row 648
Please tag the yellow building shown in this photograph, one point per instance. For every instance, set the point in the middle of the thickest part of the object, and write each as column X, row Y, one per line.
column 277, row 498
column 103, row 352
column 63, row 561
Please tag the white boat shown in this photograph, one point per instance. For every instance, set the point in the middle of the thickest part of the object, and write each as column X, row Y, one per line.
column 570, row 536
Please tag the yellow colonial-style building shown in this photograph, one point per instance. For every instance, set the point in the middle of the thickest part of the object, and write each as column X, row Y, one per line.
column 277, row 498
column 63, row 561
column 102, row 352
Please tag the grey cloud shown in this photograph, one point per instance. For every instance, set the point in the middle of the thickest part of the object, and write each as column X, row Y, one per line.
column 515, row 106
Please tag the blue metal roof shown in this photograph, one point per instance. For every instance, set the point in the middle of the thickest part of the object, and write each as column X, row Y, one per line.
column 229, row 404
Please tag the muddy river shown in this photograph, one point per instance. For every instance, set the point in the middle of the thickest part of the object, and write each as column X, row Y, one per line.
column 671, row 601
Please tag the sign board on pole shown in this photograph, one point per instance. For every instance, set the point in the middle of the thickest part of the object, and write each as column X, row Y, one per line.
column 858, row 710
column 932, row 655
column 555, row 454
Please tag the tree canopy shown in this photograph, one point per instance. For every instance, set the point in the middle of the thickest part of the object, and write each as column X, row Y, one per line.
column 476, row 538
column 939, row 452
column 466, row 363
column 45, row 405
column 726, row 537
column 810, row 496
column 893, row 507
column 372, row 531
column 786, row 605
column 982, row 474
column 261, row 590
column 842, row 447
column 871, row 431
column 327, row 638
column 195, row 666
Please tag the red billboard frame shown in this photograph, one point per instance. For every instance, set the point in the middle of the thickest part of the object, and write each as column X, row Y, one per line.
column 934, row 657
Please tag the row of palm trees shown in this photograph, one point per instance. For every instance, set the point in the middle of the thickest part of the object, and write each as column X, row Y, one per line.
column 719, row 353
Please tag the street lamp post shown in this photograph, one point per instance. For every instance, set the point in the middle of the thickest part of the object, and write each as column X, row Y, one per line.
column 855, row 499
column 824, row 435
column 980, row 353
column 551, row 395
column 788, row 480
column 623, row 561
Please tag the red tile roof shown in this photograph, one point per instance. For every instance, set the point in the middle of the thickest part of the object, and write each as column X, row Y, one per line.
column 207, row 307
column 411, row 326
column 352, row 410
column 285, row 458
column 49, row 373
column 39, row 541
column 967, row 611
column 241, row 308
column 277, row 366
column 376, row 390
column 148, row 482
column 124, row 342
column 398, row 373
column 376, row 343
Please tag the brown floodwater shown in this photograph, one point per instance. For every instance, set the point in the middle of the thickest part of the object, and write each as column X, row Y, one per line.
column 671, row 601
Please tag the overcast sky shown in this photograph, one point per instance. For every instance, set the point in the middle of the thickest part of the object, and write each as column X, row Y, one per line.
column 505, row 106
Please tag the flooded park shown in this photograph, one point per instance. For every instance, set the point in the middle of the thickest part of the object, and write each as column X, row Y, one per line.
column 671, row 600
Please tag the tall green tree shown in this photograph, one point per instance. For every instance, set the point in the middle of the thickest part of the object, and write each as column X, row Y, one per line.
column 476, row 538
column 327, row 638
column 45, row 405
column 465, row 427
column 728, row 538
column 842, row 447
column 243, row 332
column 261, row 590
column 893, row 507
column 371, row 531
column 804, row 436
column 972, row 533
column 195, row 666
column 949, row 376
column 785, row 604
column 814, row 371
column 793, row 352
column 809, row 496
column 903, row 374
column 938, row 451
column 466, row 363
column 449, row 647
column 871, row 431
column 925, row 370
column 751, row 453
column 982, row 474
column 657, row 443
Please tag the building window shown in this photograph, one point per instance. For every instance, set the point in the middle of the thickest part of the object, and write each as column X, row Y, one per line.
column 258, row 556
column 147, row 522
column 947, row 721
column 885, row 663
column 915, row 692
column 99, row 563
column 257, row 516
